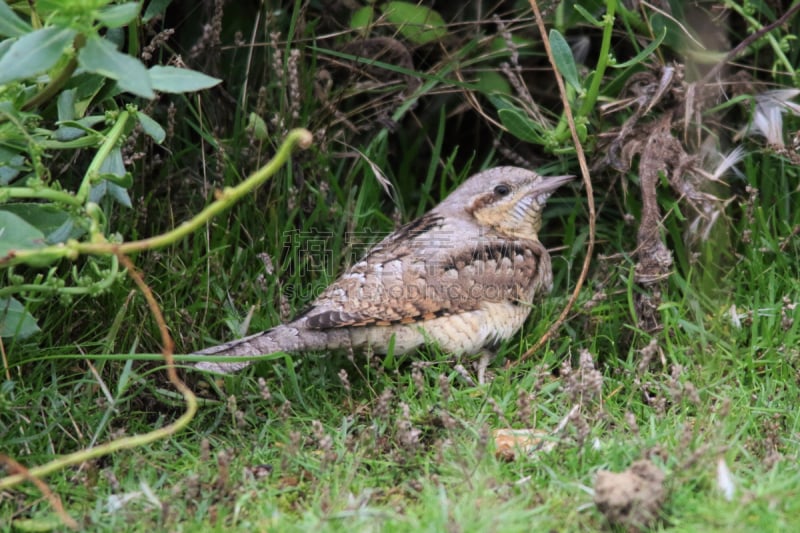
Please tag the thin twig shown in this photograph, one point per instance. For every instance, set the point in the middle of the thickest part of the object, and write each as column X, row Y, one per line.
column 167, row 346
column 586, row 181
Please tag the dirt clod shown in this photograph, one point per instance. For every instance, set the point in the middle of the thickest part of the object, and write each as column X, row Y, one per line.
column 632, row 498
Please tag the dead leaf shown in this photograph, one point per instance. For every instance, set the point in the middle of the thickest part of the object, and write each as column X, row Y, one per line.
column 509, row 444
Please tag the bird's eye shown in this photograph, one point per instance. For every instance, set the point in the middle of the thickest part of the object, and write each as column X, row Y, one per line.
column 502, row 190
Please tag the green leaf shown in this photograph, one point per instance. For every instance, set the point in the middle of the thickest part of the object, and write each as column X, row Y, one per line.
column 648, row 50
column 34, row 53
column 520, row 125
column 362, row 18
column 562, row 54
column 418, row 24
column 16, row 234
column 114, row 180
column 117, row 16
column 113, row 164
column 10, row 24
column 5, row 45
column 56, row 224
column 500, row 102
column 101, row 57
column 15, row 320
column 492, row 82
column 151, row 127
column 69, row 130
column 66, row 112
column 257, row 125
column 11, row 163
column 66, row 104
column 108, row 188
column 588, row 16
column 179, row 80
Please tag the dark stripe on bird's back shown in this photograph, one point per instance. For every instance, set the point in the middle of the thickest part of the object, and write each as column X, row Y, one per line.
column 417, row 227
column 405, row 234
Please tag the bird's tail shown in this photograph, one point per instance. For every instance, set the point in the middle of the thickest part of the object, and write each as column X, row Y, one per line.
column 283, row 338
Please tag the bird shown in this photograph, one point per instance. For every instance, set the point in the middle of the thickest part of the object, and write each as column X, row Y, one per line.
column 463, row 276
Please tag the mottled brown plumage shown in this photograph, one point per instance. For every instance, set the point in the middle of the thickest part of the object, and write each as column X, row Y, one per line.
column 462, row 276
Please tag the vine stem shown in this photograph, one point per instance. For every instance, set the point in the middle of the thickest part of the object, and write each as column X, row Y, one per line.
column 136, row 440
column 299, row 137
column 225, row 199
column 109, row 143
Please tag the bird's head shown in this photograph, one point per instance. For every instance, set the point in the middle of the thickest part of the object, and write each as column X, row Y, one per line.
column 508, row 200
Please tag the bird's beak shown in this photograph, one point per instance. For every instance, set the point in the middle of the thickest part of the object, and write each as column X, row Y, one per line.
column 551, row 183
column 545, row 186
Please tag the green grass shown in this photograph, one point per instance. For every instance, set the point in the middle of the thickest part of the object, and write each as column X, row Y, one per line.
column 406, row 444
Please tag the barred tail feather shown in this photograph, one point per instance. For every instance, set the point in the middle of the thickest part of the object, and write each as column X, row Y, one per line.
column 284, row 338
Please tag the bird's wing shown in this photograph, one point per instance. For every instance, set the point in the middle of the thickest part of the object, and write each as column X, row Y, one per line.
column 426, row 270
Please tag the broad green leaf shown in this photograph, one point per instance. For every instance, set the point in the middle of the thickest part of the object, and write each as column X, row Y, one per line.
column 418, row 24
column 362, row 18
column 117, row 16
column 113, row 169
column 179, row 80
column 520, row 125
column 107, row 188
column 151, row 127
column 5, row 46
column 101, row 57
column 15, row 321
column 56, row 224
column 116, row 36
column 68, row 230
column 562, row 54
column 115, row 179
column 113, row 164
column 10, row 24
column 66, row 104
column 11, row 163
column 34, row 53
column 120, row 193
column 66, row 133
column 16, row 234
